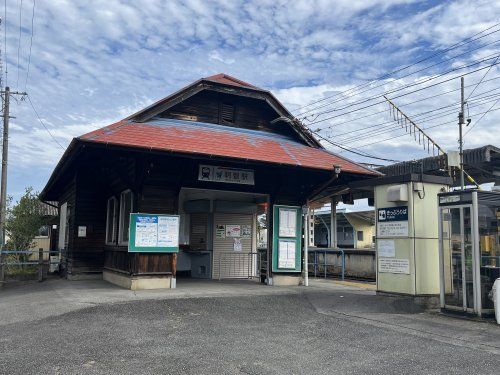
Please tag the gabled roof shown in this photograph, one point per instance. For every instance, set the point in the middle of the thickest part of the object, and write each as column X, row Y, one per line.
column 190, row 137
column 229, row 80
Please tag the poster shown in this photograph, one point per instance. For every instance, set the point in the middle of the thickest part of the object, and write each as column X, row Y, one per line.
column 168, row 231
column 233, row 230
column 237, row 244
column 220, row 231
column 392, row 265
column 82, row 231
column 146, row 231
column 246, row 231
column 153, row 233
column 287, row 222
column 386, row 248
column 286, row 254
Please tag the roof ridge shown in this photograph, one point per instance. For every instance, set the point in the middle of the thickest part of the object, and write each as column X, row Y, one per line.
column 217, row 77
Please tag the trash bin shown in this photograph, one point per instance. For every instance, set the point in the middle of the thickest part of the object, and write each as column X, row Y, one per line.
column 495, row 291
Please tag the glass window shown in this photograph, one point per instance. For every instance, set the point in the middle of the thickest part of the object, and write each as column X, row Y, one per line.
column 125, row 211
column 360, row 235
column 111, row 221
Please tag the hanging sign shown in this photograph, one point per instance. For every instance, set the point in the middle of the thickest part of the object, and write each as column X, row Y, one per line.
column 392, row 222
column 153, row 233
column 226, row 175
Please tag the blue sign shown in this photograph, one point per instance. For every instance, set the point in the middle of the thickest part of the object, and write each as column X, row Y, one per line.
column 393, row 214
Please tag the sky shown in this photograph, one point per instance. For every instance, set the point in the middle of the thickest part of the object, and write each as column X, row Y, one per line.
column 95, row 62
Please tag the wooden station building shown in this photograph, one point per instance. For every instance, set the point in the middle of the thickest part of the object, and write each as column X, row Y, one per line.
column 219, row 153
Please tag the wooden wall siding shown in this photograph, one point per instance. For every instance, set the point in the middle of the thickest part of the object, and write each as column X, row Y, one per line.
column 208, row 106
column 68, row 194
column 157, row 180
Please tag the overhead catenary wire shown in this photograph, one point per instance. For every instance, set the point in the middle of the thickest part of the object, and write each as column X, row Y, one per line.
column 397, row 90
column 480, row 118
column 43, row 124
column 369, row 99
column 482, row 78
column 398, row 78
column 389, row 124
column 402, row 105
column 387, row 75
column 426, row 128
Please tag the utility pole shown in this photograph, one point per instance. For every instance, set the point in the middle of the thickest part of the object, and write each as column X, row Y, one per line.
column 5, row 155
column 460, row 133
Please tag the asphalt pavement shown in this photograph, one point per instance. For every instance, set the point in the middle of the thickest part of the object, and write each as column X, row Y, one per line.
column 235, row 328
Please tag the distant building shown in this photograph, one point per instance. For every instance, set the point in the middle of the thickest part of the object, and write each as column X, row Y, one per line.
column 355, row 229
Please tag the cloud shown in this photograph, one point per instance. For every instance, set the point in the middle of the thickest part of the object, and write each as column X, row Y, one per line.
column 93, row 63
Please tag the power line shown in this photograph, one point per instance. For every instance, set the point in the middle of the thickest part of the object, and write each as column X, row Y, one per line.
column 403, row 88
column 360, row 153
column 389, row 128
column 454, row 46
column 357, row 92
column 479, row 119
column 31, row 45
column 41, row 122
column 481, row 80
column 402, row 105
column 428, row 127
column 19, row 41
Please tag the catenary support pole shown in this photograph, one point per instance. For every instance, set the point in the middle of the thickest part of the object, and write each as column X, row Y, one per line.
column 5, row 155
column 460, row 131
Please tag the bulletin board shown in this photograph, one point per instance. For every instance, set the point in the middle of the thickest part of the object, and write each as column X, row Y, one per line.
column 287, row 238
column 150, row 233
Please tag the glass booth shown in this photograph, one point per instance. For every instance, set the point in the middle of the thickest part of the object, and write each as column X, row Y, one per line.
column 469, row 250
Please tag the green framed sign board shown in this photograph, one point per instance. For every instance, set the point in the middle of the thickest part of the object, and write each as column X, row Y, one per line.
column 152, row 233
column 287, row 238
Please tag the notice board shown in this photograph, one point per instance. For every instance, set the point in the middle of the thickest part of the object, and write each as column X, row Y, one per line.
column 287, row 239
column 152, row 233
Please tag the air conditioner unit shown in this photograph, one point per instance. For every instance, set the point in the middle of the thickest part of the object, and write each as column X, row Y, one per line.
column 397, row 193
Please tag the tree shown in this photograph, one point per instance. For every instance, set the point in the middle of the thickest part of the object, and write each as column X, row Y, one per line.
column 24, row 220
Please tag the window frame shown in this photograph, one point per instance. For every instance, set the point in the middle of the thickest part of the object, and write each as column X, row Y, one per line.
column 122, row 230
column 115, row 216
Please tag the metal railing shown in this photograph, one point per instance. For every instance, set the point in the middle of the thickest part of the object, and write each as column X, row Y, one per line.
column 322, row 267
column 236, row 265
column 9, row 258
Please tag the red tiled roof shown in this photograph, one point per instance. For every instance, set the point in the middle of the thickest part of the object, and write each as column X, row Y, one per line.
column 228, row 80
column 218, row 140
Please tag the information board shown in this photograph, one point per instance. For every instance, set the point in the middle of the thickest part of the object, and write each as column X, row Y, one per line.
column 287, row 239
column 392, row 222
column 152, row 233
column 393, row 265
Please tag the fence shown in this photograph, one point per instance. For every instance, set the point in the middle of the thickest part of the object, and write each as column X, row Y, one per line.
column 10, row 259
column 235, row 265
column 342, row 263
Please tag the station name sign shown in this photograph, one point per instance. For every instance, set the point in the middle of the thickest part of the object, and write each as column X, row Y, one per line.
column 226, row 175
column 392, row 221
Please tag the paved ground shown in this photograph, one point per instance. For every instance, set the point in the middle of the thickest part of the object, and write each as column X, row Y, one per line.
column 62, row 327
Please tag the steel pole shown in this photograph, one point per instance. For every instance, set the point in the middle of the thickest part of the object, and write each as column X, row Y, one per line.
column 460, row 135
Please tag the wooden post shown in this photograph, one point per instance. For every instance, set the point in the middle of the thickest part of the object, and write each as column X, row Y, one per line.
column 40, row 264
column 173, row 282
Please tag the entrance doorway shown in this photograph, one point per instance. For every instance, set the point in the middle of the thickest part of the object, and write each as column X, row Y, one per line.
column 219, row 234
